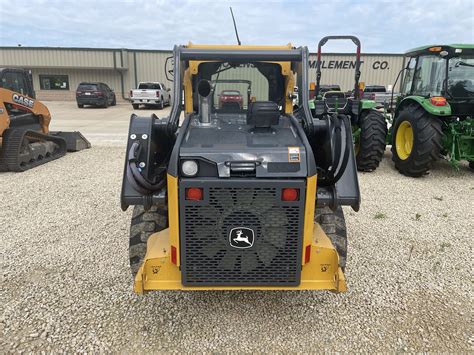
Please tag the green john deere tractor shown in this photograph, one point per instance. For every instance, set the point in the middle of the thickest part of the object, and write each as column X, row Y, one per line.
column 434, row 115
column 369, row 127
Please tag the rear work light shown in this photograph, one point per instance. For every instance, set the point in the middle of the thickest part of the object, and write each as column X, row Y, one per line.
column 194, row 193
column 438, row 101
column 290, row 194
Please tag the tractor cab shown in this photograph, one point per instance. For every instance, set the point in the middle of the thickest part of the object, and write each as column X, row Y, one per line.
column 444, row 74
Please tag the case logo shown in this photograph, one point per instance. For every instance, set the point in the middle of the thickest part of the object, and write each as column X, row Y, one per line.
column 241, row 237
column 22, row 100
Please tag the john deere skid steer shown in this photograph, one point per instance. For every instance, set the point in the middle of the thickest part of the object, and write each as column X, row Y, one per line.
column 241, row 196
column 25, row 138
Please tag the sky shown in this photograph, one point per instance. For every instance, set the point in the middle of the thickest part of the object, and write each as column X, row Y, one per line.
column 383, row 26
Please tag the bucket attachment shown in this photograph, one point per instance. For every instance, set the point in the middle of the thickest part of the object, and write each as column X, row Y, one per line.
column 75, row 140
column 322, row 272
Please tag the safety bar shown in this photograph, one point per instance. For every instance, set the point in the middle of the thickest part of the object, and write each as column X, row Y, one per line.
column 322, row 42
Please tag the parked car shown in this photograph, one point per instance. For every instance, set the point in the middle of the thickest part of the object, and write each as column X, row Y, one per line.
column 150, row 94
column 378, row 93
column 95, row 94
column 231, row 98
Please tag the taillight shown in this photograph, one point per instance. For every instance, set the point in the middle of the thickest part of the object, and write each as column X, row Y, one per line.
column 98, row 93
column 157, row 93
column 174, row 255
column 194, row 193
column 290, row 194
column 130, row 95
column 438, row 101
column 307, row 254
column 78, row 92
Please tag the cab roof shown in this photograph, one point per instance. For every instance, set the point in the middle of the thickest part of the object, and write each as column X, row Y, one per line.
column 451, row 48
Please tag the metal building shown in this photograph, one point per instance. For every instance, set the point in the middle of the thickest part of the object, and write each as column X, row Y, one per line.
column 58, row 71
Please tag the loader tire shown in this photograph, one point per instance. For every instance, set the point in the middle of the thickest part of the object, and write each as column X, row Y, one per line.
column 143, row 224
column 371, row 146
column 417, row 138
column 333, row 224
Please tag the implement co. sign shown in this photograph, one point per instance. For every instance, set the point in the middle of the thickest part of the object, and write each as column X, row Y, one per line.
column 347, row 64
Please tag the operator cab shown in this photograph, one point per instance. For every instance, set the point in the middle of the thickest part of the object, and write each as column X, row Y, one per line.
column 239, row 116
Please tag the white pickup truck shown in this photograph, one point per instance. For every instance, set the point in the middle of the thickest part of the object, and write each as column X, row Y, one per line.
column 150, row 94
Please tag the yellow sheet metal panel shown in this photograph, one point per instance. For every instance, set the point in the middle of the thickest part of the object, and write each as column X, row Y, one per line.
column 235, row 46
column 310, row 204
column 321, row 273
column 173, row 214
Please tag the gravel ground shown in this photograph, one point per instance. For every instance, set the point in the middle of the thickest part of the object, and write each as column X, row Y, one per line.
column 66, row 285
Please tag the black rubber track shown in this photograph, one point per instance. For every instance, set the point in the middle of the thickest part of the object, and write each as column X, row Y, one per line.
column 372, row 141
column 333, row 224
column 15, row 140
column 144, row 223
column 427, row 138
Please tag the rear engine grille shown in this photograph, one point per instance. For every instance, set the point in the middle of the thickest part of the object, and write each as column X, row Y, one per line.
column 211, row 256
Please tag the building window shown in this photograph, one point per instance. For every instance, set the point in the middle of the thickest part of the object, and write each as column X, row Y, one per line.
column 54, row 82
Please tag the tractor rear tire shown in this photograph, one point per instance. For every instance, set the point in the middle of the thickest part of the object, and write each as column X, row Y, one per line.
column 417, row 138
column 371, row 146
column 144, row 223
column 333, row 224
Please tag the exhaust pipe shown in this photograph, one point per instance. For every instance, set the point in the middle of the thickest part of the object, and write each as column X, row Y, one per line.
column 204, row 91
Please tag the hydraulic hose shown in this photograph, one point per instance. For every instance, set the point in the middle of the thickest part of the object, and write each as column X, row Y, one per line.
column 347, row 147
column 134, row 176
column 340, row 150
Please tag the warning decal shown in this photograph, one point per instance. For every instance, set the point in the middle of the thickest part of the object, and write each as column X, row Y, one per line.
column 294, row 154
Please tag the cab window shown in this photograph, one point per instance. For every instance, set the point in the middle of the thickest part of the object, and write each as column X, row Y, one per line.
column 408, row 80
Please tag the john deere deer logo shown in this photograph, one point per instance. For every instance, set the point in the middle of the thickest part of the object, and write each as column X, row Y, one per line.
column 241, row 237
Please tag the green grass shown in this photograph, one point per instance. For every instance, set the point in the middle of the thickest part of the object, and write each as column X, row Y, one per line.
column 380, row 215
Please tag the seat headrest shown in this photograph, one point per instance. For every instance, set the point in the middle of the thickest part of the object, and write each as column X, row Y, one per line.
column 263, row 114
